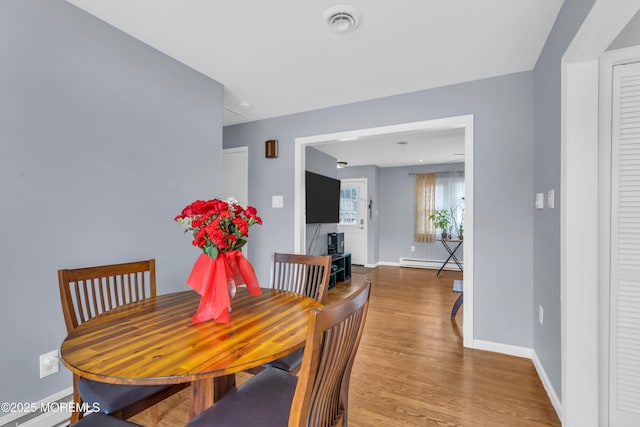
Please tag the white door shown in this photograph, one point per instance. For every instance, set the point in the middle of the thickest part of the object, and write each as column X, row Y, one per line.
column 353, row 218
column 235, row 178
column 624, row 322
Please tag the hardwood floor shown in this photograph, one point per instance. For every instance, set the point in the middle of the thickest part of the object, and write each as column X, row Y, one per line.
column 411, row 368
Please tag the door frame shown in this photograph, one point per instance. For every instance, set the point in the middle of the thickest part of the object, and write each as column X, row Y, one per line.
column 366, row 223
column 581, row 255
column 466, row 122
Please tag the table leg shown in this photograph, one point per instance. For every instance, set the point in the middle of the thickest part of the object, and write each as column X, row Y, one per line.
column 451, row 255
column 456, row 306
column 205, row 392
column 223, row 385
column 455, row 258
column 77, row 401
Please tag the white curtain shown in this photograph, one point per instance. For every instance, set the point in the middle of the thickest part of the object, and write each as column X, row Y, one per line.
column 450, row 195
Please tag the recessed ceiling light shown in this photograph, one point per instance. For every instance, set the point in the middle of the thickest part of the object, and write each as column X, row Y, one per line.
column 341, row 19
column 341, row 164
column 402, row 142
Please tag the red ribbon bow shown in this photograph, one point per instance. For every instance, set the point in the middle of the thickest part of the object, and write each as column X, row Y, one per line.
column 209, row 278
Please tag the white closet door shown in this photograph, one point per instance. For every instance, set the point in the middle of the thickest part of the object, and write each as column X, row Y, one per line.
column 235, row 179
column 624, row 380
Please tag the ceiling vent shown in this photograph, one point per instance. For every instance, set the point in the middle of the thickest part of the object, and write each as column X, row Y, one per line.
column 341, row 19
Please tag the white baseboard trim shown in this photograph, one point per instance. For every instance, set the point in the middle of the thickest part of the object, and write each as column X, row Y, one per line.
column 388, row 263
column 427, row 263
column 553, row 396
column 433, row 265
column 54, row 417
column 527, row 353
column 511, row 350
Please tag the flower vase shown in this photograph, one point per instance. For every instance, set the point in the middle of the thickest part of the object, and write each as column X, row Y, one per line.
column 231, row 286
column 216, row 279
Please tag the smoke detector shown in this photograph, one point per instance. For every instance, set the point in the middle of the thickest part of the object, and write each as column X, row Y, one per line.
column 341, row 19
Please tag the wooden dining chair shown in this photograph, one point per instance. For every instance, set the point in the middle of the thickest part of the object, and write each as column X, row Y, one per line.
column 303, row 274
column 318, row 395
column 88, row 292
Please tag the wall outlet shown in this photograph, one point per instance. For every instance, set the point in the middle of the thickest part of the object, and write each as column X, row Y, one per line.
column 49, row 363
column 413, row 248
column 540, row 314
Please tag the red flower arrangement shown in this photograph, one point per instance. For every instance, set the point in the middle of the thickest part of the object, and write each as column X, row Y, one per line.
column 218, row 225
column 220, row 228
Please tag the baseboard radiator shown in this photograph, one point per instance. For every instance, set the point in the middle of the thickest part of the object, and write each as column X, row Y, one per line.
column 49, row 412
column 427, row 263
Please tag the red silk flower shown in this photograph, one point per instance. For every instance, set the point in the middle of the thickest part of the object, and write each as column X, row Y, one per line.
column 218, row 225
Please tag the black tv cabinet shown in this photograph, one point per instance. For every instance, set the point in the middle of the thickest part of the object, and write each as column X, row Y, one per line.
column 340, row 268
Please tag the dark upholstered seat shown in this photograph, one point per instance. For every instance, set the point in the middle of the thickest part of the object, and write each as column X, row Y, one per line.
column 114, row 397
column 98, row 419
column 264, row 401
column 290, row 363
column 318, row 396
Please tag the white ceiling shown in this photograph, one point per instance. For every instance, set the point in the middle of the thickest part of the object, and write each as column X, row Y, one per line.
column 421, row 148
column 278, row 57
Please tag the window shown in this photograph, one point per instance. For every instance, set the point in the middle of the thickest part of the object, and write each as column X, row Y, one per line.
column 348, row 205
column 440, row 191
column 450, row 196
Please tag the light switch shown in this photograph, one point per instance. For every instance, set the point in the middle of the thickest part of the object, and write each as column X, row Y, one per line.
column 551, row 199
column 277, row 201
column 539, row 200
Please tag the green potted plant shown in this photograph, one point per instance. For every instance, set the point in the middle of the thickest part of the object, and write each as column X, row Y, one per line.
column 441, row 220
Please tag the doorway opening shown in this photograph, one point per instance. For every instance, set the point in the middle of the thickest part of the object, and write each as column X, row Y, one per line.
column 463, row 122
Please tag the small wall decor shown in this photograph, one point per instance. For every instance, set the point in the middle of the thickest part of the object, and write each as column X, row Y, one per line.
column 271, row 149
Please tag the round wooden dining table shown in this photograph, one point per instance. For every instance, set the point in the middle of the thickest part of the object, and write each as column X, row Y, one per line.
column 153, row 341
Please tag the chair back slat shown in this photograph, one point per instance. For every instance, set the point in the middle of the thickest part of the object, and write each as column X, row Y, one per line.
column 87, row 292
column 320, row 399
column 97, row 290
column 303, row 274
column 103, row 306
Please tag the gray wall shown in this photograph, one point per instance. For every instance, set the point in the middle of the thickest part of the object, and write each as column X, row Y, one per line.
column 503, row 140
column 322, row 164
column 397, row 193
column 546, row 176
column 103, row 141
column 372, row 173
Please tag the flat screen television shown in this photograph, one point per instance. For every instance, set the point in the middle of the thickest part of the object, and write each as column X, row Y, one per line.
column 323, row 199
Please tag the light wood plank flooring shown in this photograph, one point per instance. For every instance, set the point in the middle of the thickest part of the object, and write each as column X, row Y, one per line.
column 411, row 368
